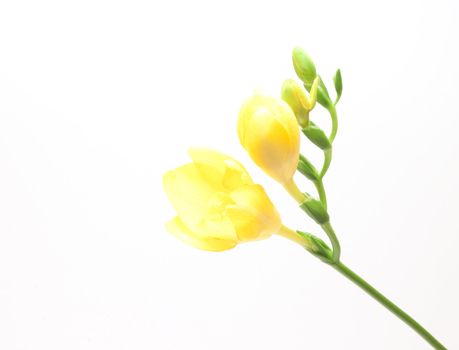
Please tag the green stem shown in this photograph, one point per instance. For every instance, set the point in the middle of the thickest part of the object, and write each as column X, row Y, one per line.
column 321, row 191
column 327, row 161
column 343, row 269
column 328, row 229
column 334, row 118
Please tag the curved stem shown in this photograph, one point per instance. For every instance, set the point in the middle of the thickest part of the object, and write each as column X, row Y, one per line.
column 351, row 275
column 334, row 118
column 328, row 229
column 321, row 191
column 327, row 161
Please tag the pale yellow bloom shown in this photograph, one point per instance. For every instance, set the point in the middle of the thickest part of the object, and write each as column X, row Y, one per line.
column 217, row 203
column 269, row 132
column 294, row 95
column 299, row 102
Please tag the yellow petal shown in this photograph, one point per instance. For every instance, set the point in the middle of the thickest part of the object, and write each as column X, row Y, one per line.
column 249, row 108
column 219, row 170
column 270, row 147
column 221, row 228
column 188, row 193
column 253, row 214
column 268, row 130
column 235, row 175
column 247, row 226
column 279, row 109
column 245, row 113
column 285, row 116
column 177, row 228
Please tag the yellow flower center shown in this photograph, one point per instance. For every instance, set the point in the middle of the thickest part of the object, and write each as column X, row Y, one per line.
column 216, row 206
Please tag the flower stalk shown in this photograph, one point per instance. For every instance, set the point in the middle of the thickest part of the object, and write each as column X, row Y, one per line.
column 318, row 248
column 389, row 305
column 219, row 206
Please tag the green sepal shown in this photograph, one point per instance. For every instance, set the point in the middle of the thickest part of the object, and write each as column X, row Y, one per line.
column 307, row 169
column 316, row 210
column 317, row 136
column 317, row 247
column 322, row 93
column 338, row 81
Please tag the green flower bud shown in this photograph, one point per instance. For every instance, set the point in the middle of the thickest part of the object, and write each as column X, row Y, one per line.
column 338, row 81
column 317, row 136
column 307, row 169
column 304, row 66
column 316, row 210
column 317, row 247
column 322, row 95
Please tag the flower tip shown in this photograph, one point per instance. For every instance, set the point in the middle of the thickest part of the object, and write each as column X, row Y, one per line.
column 288, row 83
column 297, row 50
column 191, row 151
column 304, row 65
column 167, row 181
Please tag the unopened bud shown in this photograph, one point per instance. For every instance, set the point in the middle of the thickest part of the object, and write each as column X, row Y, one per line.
column 316, row 210
column 296, row 98
column 307, row 169
column 304, row 66
column 317, row 136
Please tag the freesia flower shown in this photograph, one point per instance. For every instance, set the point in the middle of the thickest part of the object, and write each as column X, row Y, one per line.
column 268, row 130
column 217, row 203
column 219, row 206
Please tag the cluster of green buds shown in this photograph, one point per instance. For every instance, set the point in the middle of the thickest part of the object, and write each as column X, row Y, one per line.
column 302, row 104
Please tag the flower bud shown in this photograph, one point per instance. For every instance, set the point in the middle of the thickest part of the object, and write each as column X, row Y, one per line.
column 317, row 136
column 316, row 210
column 317, row 247
column 304, row 66
column 269, row 132
column 294, row 95
column 338, row 82
column 307, row 169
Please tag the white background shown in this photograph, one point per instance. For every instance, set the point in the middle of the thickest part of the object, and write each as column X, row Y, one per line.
column 99, row 98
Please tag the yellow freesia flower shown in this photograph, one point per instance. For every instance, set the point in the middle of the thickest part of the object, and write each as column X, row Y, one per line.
column 217, row 203
column 269, row 132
